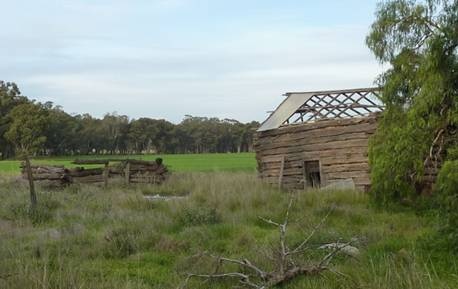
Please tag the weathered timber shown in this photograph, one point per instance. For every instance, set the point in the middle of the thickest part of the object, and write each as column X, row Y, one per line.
column 89, row 179
column 46, row 176
column 327, row 157
column 106, row 174
column 91, row 162
column 39, row 169
column 127, row 173
column 324, row 134
column 347, row 167
column 33, row 194
column 142, row 163
column 347, row 175
column 319, row 125
column 316, row 140
column 82, row 172
column 137, row 167
column 340, row 146
column 143, row 172
column 103, row 161
column 282, row 170
column 360, row 144
column 117, row 169
column 330, row 163
column 330, row 171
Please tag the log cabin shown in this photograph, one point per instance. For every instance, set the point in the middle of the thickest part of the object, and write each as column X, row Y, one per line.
column 319, row 139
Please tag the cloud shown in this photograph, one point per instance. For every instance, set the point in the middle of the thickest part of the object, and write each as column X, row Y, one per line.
column 88, row 62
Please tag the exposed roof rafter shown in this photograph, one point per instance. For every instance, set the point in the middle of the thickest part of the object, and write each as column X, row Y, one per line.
column 302, row 107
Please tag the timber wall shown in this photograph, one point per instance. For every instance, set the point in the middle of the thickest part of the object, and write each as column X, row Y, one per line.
column 340, row 146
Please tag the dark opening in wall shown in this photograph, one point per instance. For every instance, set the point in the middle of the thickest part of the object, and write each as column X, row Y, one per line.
column 312, row 175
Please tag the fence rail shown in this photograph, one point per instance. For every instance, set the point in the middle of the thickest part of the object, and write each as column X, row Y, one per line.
column 133, row 171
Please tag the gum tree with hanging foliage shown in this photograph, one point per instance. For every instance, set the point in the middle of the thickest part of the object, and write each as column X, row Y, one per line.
column 419, row 41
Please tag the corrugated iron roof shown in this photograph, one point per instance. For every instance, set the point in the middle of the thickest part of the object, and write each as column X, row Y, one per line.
column 287, row 108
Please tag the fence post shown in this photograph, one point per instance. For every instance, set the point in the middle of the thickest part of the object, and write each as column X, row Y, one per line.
column 127, row 173
column 105, row 175
column 33, row 195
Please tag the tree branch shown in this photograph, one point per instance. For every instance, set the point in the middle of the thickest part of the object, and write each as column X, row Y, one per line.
column 299, row 248
column 286, row 268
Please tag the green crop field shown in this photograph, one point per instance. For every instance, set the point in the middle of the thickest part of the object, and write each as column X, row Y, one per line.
column 177, row 162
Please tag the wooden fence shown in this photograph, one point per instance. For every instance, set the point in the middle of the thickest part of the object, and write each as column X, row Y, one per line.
column 132, row 171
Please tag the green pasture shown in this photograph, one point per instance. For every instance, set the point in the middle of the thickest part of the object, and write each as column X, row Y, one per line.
column 175, row 162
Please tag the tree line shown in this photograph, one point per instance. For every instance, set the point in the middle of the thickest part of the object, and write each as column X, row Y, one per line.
column 52, row 131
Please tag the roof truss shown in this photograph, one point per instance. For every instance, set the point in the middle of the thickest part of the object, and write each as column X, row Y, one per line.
column 336, row 104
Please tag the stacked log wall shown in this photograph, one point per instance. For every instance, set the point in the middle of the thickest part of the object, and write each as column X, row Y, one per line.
column 340, row 146
column 138, row 172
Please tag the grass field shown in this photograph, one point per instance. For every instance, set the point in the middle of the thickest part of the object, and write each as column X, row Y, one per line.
column 177, row 162
column 90, row 237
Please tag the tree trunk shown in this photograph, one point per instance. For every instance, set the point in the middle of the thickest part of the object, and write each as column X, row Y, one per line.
column 33, row 195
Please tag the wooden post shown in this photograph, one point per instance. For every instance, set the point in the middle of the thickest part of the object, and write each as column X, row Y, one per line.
column 323, row 180
column 105, row 175
column 33, row 195
column 127, row 173
column 282, row 168
column 304, row 174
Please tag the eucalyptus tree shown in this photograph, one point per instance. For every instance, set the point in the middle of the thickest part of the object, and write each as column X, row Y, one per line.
column 10, row 96
column 116, row 134
column 419, row 40
column 27, row 133
column 62, row 133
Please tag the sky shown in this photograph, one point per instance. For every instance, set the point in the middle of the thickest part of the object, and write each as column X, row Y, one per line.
column 170, row 58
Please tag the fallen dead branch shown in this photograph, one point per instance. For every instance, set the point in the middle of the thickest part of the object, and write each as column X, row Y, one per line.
column 286, row 263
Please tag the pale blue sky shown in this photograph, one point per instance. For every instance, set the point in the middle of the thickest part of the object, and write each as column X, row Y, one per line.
column 168, row 58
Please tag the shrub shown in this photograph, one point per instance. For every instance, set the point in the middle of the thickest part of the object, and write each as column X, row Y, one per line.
column 193, row 216
column 122, row 242
column 42, row 213
column 447, row 189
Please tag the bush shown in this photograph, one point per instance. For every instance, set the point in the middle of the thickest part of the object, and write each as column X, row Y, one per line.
column 122, row 242
column 447, row 190
column 193, row 216
column 42, row 213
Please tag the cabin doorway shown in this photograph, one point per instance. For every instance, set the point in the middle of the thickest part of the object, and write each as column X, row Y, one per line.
column 312, row 174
